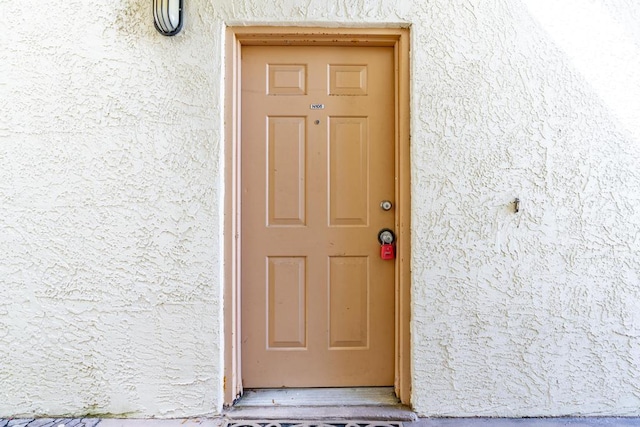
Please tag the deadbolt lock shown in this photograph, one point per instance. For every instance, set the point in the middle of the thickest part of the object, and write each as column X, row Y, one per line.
column 386, row 205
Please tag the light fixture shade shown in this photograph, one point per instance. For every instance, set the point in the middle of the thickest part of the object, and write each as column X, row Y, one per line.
column 167, row 16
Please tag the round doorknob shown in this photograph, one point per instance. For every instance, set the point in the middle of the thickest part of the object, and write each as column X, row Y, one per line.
column 386, row 205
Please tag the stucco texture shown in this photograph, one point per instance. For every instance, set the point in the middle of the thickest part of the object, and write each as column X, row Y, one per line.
column 112, row 189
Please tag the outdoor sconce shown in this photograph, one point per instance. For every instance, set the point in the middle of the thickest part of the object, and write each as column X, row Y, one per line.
column 167, row 16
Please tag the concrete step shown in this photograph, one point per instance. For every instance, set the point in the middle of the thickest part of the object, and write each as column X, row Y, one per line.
column 326, row 413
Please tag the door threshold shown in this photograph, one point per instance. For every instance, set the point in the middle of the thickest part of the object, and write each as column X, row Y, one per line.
column 343, row 396
column 362, row 403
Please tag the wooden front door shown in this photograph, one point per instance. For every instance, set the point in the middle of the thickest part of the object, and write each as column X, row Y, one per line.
column 317, row 160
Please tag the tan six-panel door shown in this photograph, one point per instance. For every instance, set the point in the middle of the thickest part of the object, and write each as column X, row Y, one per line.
column 317, row 159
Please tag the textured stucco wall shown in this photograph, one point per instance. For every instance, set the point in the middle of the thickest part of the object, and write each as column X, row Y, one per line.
column 111, row 182
column 110, row 188
column 536, row 313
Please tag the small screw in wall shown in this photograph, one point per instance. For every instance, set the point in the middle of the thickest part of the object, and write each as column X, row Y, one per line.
column 516, row 205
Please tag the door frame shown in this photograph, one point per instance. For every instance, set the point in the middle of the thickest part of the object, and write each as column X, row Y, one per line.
column 236, row 38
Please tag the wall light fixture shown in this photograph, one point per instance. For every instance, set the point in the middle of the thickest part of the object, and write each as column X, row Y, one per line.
column 167, row 16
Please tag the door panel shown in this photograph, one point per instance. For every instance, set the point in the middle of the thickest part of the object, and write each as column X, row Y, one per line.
column 287, row 170
column 317, row 157
column 348, row 302
column 348, row 171
column 286, row 304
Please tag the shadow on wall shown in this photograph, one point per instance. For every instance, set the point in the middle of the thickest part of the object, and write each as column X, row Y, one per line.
column 601, row 49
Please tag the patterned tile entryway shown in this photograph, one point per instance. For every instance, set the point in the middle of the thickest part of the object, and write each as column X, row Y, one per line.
column 272, row 423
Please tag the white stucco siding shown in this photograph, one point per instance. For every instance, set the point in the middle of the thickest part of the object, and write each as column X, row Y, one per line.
column 112, row 182
column 110, row 187
column 534, row 313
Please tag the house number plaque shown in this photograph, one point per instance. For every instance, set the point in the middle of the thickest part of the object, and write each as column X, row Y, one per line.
column 317, row 106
